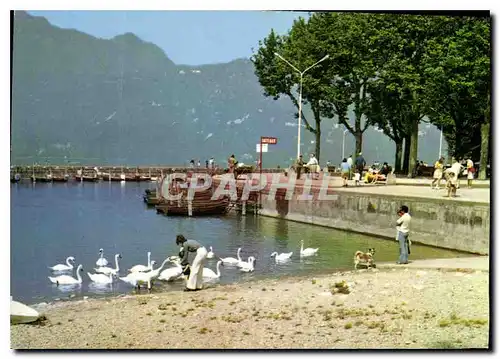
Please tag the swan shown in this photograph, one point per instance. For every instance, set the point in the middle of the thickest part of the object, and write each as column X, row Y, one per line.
column 210, row 274
column 101, row 278
column 66, row 279
column 282, row 256
column 232, row 260
column 142, row 268
column 308, row 251
column 101, row 262
column 173, row 273
column 108, row 270
column 210, row 254
column 64, row 267
column 138, row 278
column 247, row 266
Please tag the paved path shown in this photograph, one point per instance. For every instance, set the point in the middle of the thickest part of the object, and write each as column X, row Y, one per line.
column 472, row 263
column 428, row 181
column 481, row 195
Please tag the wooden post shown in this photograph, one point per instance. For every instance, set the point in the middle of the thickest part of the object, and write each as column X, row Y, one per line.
column 244, row 208
column 190, row 208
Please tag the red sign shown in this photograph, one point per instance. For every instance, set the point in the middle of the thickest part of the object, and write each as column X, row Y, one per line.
column 269, row 140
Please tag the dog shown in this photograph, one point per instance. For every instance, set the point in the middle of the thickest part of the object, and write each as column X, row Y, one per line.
column 366, row 258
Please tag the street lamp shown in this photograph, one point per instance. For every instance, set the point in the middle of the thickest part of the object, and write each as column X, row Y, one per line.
column 300, row 92
column 441, row 142
column 343, row 143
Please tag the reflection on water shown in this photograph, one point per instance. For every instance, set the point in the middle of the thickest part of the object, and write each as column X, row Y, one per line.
column 50, row 222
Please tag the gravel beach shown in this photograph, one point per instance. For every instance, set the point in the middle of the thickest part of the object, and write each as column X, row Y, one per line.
column 386, row 308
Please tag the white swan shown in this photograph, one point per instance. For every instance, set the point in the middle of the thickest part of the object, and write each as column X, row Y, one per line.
column 108, row 270
column 232, row 260
column 210, row 254
column 64, row 267
column 173, row 273
column 101, row 278
column 210, row 274
column 142, row 268
column 247, row 266
column 138, row 278
column 66, row 279
column 282, row 256
column 308, row 251
column 101, row 262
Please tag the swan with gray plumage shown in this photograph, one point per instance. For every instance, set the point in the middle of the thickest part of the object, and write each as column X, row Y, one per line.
column 101, row 262
column 107, row 270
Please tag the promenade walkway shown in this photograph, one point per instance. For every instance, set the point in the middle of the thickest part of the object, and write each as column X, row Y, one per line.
column 464, row 263
column 405, row 188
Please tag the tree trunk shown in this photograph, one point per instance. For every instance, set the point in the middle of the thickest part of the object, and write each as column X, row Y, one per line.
column 399, row 155
column 406, row 154
column 412, row 163
column 485, row 142
column 318, row 139
column 358, row 135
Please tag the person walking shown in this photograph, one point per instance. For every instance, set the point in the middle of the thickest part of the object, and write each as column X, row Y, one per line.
column 438, row 173
column 403, row 228
column 195, row 277
column 456, row 168
column 360, row 164
column 345, row 170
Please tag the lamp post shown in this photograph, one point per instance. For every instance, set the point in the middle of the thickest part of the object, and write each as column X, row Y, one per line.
column 343, row 143
column 441, row 142
column 301, row 73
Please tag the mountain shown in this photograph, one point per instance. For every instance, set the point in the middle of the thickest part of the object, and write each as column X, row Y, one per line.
column 79, row 98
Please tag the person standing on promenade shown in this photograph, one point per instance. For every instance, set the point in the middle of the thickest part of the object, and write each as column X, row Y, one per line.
column 345, row 171
column 349, row 162
column 456, row 168
column 195, row 278
column 470, row 172
column 360, row 164
column 298, row 165
column 403, row 227
column 438, row 173
column 451, row 182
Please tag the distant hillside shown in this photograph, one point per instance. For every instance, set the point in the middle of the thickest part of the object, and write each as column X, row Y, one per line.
column 123, row 101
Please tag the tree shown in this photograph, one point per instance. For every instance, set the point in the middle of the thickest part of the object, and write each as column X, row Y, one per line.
column 459, row 63
column 388, row 111
column 278, row 78
column 346, row 37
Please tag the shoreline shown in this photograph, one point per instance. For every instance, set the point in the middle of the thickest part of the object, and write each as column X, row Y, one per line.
column 386, row 308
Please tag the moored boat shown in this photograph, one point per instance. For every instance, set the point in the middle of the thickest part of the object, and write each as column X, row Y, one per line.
column 21, row 313
column 16, row 178
column 202, row 203
column 46, row 179
column 84, row 178
column 64, row 178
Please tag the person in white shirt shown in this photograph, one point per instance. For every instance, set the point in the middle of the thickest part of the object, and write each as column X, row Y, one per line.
column 456, row 168
column 349, row 162
column 313, row 165
column 403, row 227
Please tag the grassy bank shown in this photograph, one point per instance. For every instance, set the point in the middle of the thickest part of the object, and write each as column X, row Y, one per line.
column 392, row 308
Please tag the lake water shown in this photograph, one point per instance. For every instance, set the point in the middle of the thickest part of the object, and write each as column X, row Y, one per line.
column 50, row 222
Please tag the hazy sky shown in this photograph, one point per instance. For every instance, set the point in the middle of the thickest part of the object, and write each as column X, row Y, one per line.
column 187, row 37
